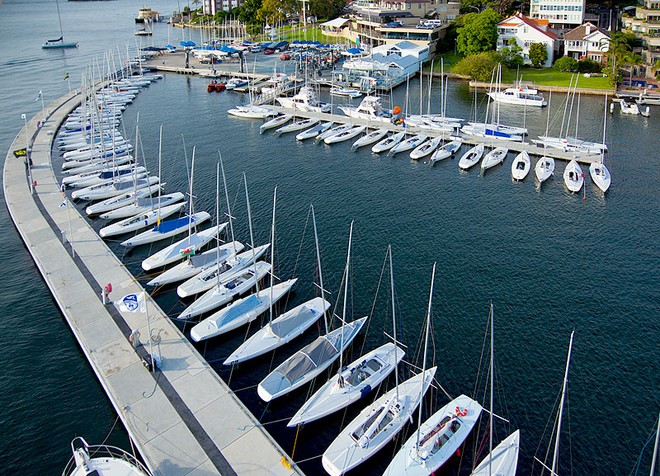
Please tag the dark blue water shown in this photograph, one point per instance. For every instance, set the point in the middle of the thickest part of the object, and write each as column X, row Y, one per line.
column 549, row 261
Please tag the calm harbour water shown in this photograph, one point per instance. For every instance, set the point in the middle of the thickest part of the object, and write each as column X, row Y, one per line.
column 548, row 261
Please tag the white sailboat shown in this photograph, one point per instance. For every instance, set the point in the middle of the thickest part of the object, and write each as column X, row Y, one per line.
column 599, row 173
column 183, row 248
column 59, row 42
column 381, row 421
column 471, row 157
column 286, row 327
column 425, row 148
column 503, row 460
column 118, row 187
column 356, row 380
column 332, row 131
column 544, row 169
column 573, row 176
column 493, row 158
column 314, row 358
column 297, row 126
column 345, row 135
column 314, row 131
column 247, row 309
column 521, row 166
column 142, row 204
column 388, row 142
column 139, row 221
column 409, row 143
column 370, row 138
column 437, row 439
column 121, row 200
column 446, row 151
column 275, row 122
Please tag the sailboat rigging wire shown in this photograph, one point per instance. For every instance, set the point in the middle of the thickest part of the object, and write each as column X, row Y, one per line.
column 373, row 305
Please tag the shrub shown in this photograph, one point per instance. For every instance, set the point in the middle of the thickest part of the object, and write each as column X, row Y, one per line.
column 538, row 54
column 478, row 67
column 566, row 64
column 588, row 66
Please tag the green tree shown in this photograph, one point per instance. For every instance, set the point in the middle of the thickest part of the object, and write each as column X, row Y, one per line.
column 479, row 67
column 538, row 54
column 478, row 33
column 247, row 12
column 511, row 55
column 275, row 11
column 326, row 9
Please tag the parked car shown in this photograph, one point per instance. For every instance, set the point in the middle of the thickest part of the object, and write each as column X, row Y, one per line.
column 269, row 51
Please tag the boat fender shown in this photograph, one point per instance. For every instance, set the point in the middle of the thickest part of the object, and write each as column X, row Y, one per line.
column 105, row 292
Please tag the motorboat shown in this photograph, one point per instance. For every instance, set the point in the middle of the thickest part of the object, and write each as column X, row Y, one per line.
column 521, row 166
column 447, row 150
column 235, row 83
column 600, row 175
column 493, row 158
column 345, row 92
column 251, row 111
column 521, row 95
column 368, row 139
column 573, row 176
column 282, row 330
column 370, row 109
column 304, row 100
column 544, row 169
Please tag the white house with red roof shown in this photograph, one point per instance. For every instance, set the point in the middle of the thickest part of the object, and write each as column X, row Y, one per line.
column 587, row 41
column 527, row 31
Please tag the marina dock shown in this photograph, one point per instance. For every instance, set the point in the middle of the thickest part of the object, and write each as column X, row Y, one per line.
column 182, row 417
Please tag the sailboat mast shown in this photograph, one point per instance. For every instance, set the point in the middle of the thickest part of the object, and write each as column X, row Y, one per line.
column 231, row 223
column 555, row 457
column 247, row 199
column 657, row 433
column 492, row 368
column 318, row 261
column 272, row 254
column 428, row 105
column 59, row 19
column 396, row 367
column 602, row 150
column 426, row 346
column 563, row 119
column 343, row 314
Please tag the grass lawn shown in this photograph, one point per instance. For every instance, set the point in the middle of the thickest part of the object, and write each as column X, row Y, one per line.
column 310, row 33
column 539, row 77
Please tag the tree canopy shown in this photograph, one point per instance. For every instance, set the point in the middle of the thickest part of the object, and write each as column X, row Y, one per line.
column 478, row 32
column 538, row 54
column 275, row 11
column 511, row 55
column 479, row 67
column 247, row 12
column 326, row 9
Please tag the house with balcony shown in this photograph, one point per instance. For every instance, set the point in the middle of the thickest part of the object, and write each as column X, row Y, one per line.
column 387, row 22
column 526, row 31
column 646, row 25
column 587, row 41
column 561, row 15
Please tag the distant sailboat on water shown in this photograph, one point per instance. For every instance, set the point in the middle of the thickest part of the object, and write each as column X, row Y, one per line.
column 59, row 42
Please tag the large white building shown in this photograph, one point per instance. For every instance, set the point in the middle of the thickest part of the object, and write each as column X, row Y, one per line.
column 211, row 7
column 561, row 15
column 526, row 31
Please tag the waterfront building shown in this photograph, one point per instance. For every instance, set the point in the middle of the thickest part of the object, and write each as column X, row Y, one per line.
column 587, row 41
column 526, row 31
column 211, row 7
column 561, row 15
column 374, row 23
column 646, row 25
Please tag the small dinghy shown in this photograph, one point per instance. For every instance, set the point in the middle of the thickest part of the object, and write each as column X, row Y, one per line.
column 275, row 122
column 345, row 135
column 409, row 143
column 471, row 157
column 425, row 148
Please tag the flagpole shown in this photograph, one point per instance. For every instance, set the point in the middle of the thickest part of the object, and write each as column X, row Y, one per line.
column 151, row 344
column 43, row 108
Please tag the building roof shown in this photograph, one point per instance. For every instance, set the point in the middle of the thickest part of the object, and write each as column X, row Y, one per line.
column 336, row 23
column 580, row 32
column 519, row 18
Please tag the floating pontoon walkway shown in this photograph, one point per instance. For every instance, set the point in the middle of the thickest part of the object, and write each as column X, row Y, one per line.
column 183, row 418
